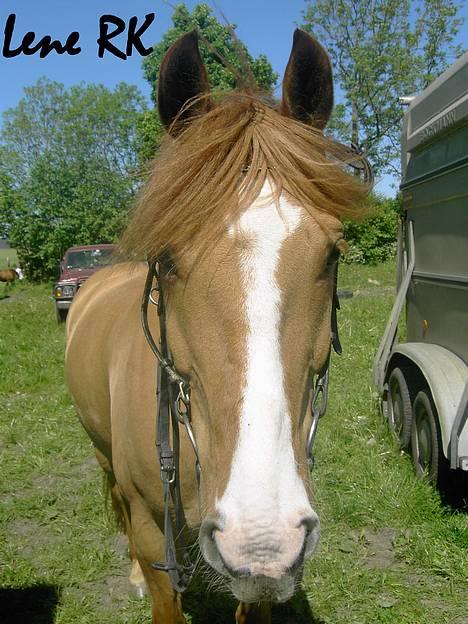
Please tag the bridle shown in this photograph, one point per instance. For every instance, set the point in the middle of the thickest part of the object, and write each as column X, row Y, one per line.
column 174, row 409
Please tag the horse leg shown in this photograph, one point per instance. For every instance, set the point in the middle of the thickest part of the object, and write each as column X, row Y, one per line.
column 136, row 578
column 248, row 613
column 146, row 545
column 149, row 547
column 122, row 517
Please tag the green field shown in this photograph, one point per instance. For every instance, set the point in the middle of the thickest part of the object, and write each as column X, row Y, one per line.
column 389, row 551
column 8, row 255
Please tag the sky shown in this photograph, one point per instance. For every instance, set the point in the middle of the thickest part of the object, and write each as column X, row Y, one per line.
column 265, row 26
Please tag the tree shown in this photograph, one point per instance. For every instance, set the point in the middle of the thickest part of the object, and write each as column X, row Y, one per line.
column 10, row 199
column 32, row 127
column 381, row 50
column 68, row 160
column 226, row 59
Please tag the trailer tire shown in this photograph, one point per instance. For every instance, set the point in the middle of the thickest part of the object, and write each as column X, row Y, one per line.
column 399, row 412
column 425, row 438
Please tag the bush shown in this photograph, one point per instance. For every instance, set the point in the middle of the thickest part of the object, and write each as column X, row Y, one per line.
column 374, row 239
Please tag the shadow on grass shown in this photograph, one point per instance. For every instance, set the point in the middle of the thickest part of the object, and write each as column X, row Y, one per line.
column 27, row 605
column 453, row 488
column 295, row 611
column 209, row 607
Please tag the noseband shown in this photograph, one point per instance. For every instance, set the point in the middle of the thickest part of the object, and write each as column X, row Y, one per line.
column 174, row 409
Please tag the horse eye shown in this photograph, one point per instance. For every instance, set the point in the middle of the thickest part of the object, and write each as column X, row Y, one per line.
column 168, row 266
column 172, row 270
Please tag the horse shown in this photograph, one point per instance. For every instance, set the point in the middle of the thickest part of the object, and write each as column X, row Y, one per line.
column 240, row 226
column 8, row 275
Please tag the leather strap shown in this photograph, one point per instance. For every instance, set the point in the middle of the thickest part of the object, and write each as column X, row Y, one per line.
column 319, row 400
column 171, row 388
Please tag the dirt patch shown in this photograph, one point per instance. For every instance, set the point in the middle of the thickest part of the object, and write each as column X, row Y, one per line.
column 82, row 471
column 45, row 482
column 380, row 551
column 115, row 589
column 23, row 528
column 375, row 548
column 120, row 547
column 109, row 593
column 415, row 579
column 28, row 536
column 9, row 297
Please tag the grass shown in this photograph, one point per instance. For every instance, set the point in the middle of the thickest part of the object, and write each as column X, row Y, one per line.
column 389, row 551
column 8, row 255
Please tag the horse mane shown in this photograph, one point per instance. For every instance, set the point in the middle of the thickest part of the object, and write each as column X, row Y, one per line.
column 216, row 167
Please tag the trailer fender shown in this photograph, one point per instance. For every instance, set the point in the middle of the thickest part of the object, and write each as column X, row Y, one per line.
column 447, row 377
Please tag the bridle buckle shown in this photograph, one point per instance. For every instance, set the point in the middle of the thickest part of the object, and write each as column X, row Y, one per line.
column 167, row 470
column 184, row 394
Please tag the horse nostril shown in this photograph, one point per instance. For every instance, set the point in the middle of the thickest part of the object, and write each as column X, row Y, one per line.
column 311, row 526
column 208, row 528
column 309, row 523
column 208, row 544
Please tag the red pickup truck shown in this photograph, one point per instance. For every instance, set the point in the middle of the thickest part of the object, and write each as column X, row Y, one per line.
column 77, row 265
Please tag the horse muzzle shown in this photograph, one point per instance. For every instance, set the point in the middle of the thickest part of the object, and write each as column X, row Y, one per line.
column 262, row 560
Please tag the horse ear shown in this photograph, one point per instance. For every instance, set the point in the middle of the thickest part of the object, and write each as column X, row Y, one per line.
column 308, row 82
column 182, row 76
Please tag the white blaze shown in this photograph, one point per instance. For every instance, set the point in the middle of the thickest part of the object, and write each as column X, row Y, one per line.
column 264, row 489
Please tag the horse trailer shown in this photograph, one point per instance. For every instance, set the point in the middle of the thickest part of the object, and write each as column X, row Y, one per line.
column 423, row 380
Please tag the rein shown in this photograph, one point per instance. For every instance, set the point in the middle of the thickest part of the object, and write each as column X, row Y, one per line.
column 174, row 409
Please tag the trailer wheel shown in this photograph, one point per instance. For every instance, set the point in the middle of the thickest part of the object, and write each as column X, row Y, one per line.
column 399, row 411
column 425, row 438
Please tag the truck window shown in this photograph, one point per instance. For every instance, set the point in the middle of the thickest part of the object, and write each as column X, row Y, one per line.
column 88, row 258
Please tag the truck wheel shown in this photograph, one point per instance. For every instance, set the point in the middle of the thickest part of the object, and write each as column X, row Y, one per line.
column 425, row 438
column 61, row 315
column 399, row 411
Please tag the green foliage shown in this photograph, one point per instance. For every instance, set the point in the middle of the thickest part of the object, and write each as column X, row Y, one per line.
column 381, row 50
column 72, row 155
column 227, row 61
column 10, row 200
column 149, row 134
column 373, row 240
